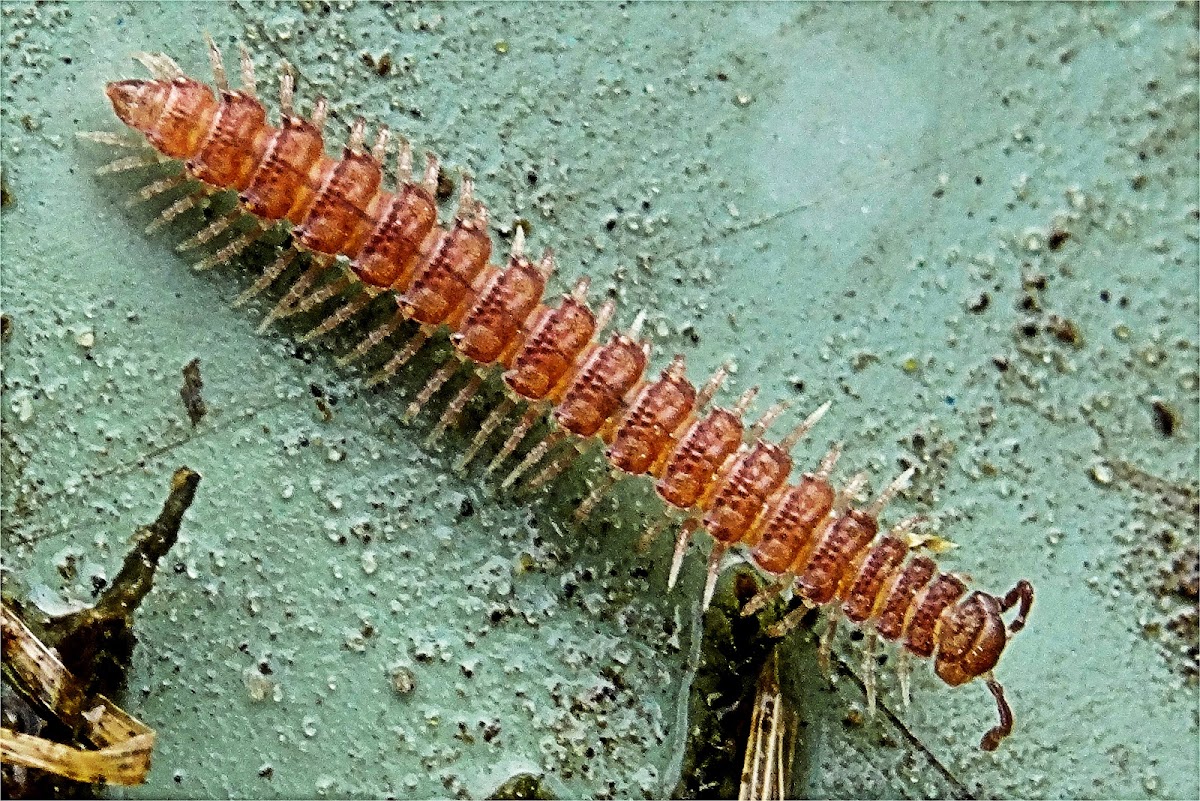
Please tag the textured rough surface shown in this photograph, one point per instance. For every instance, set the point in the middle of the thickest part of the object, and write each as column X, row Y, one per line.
column 973, row 228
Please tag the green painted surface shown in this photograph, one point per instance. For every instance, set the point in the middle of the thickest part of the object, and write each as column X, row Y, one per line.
column 854, row 203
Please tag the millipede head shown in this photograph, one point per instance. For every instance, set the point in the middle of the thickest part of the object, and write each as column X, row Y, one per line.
column 971, row 637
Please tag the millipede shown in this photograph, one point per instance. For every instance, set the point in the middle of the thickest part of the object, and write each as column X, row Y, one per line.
column 713, row 471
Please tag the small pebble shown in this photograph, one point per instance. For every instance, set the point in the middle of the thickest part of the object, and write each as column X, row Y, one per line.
column 403, row 680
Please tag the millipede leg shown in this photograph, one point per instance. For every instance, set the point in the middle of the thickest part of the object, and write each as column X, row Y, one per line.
column 589, row 503
column 287, row 90
column 455, row 409
column 798, row 433
column 401, row 358
column 210, row 231
column 681, row 546
column 322, row 294
column 868, row 669
column 155, row 188
column 284, row 307
column 889, row 492
column 1022, row 597
column 160, row 65
column 903, row 667
column 789, row 621
column 1004, row 727
column 344, row 313
column 514, row 439
column 714, row 570
column 652, row 532
column 825, row 646
column 825, row 469
column 847, row 494
column 126, row 163
column 533, row 457
column 489, row 425
column 710, row 388
column 248, row 82
column 763, row 423
column 218, row 65
column 112, row 139
column 768, row 593
column 556, row 467
column 373, row 339
column 435, row 382
column 269, row 277
column 319, row 113
column 905, row 526
column 231, row 249
column 175, row 209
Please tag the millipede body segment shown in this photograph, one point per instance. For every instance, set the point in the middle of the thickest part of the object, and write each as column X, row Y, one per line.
column 710, row 469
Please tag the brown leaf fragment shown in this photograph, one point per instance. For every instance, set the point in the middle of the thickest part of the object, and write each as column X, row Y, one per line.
column 123, row 743
column 190, row 393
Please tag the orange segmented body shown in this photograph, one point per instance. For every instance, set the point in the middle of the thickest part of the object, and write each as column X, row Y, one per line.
column 789, row 524
column 389, row 254
column 492, row 329
column 646, row 432
column 288, row 176
column 743, row 493
column 235, row 144
column 709, row 467
column 557, row 337
column 599, row 388
column 342, row 224
column 443, row 283
column 694, row 463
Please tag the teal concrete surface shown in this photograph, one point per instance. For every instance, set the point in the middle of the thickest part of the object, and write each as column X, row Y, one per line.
column 973, row 228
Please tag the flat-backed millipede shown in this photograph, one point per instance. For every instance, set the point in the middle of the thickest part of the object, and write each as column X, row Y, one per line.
column 711, row 469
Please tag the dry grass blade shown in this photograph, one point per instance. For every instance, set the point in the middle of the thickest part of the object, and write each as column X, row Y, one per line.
column 771, row 746
column 124, row 744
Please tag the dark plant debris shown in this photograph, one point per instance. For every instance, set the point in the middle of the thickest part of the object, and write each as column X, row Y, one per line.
column 522, row 786
column 193, row 401
column 720, row 707
column 45, row 704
